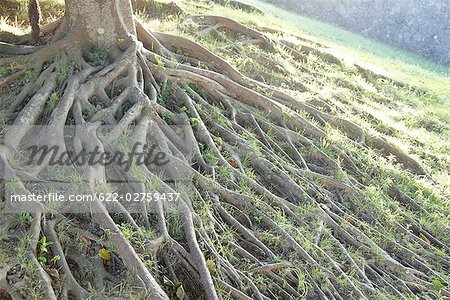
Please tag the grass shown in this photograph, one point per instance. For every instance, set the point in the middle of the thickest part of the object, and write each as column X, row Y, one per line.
column 402, row 64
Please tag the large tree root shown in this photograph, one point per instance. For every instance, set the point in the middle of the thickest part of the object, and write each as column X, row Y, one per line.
column 262, row 213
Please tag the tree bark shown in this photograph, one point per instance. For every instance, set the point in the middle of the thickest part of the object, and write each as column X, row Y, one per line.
column 99, row 23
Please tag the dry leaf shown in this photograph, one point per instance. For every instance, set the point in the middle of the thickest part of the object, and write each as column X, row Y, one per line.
column 210, row 265
column 85, row 240
column 349, row 219
column 234, row 163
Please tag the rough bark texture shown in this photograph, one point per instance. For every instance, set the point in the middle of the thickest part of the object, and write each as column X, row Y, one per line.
column 34, row 15
column 98, row 23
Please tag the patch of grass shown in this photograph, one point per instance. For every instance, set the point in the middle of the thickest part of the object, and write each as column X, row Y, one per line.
column 224, row 173
column 210, row 158
column 29, row 75
column 96, row 55
column 218, row 116
column 253, row 142
column 166, row 95
column 53, row 100
column 3, row 71
column 4, row 251
column 12, row 184
column 175, row 221
column 63, row 71
column 167, row 117
column 194, row 122
column 133, row 236
column 351, row 43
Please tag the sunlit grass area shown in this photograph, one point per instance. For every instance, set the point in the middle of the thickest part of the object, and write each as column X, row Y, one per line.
column 396, row 62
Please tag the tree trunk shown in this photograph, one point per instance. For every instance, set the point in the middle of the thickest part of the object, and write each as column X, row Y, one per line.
column 99, row 23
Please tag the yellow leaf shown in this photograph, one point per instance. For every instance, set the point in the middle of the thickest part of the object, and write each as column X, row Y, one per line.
column 424, row 238
column 103, row 253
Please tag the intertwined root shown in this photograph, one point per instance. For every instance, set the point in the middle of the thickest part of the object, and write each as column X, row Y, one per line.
column 264, row 214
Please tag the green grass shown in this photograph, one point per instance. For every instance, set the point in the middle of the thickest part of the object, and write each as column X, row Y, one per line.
column 402, row 64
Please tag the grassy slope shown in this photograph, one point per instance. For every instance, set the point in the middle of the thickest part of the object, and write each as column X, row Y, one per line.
column 397, row 62
column 417, row 123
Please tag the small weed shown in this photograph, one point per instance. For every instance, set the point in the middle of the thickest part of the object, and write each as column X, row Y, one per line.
column 63, row 73
column 210, row 158
column 160, row 63
column 218, row 116
column 251, row 173
column 195, row 88
column 53, row 100
column 29, row 75
column 167, row 117
column 254, row 143
column 55, row 259
column 194, row 122
column 219, row 142
column 97, row 55
column 166, row 95
column 26, row 218
column 78, row 65
column 43, row 248
column 12, row 184
column 224, row 173
column 175, row 220
column 3, row 71
column 132, row 235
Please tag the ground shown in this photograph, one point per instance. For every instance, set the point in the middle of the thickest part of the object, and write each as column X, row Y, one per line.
column 317, row 176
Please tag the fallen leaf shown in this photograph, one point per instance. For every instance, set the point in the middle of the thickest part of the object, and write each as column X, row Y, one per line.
column 349, row 219
column 180, row 293
column 233, row 163
column 424, row 238
column 104, row 254
column 210, row 265
column 53, row 272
